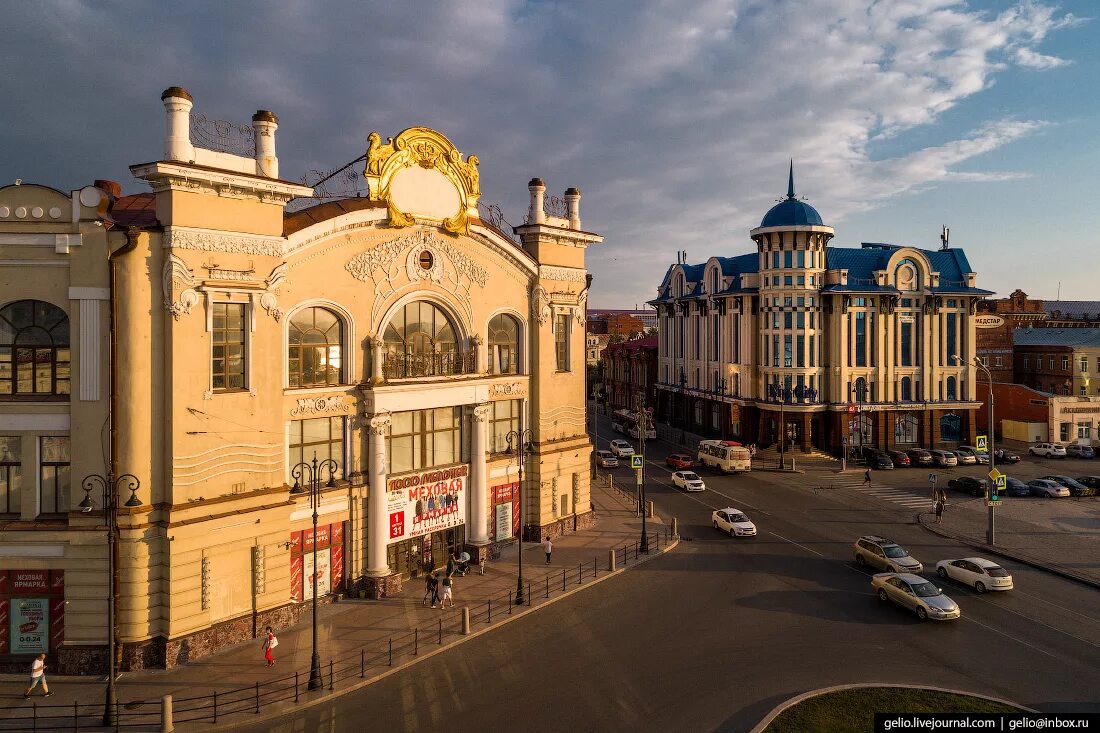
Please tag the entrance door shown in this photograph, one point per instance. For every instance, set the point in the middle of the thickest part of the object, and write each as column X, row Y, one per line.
column 794, row 432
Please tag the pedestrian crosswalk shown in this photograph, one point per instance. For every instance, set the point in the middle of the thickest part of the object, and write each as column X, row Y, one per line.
column 907, row 498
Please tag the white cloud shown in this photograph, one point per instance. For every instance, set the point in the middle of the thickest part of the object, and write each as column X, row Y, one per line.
column 1034, row 60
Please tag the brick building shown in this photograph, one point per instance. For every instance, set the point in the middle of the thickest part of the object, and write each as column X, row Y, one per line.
column 630, row 368
column 1026, row 415
column 1061, row 361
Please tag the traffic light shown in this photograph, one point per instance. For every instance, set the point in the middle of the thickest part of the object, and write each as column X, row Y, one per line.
column 996, row 487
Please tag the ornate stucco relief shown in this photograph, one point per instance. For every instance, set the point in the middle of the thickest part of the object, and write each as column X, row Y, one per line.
column 219, row 242
column 177, row 276
column 507, row 389
column 563, row 274
column 320, row 405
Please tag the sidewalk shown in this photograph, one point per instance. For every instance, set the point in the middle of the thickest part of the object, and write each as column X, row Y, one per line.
column 354, row 636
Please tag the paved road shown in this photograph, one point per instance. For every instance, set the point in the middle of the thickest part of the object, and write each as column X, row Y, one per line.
column 711, row 636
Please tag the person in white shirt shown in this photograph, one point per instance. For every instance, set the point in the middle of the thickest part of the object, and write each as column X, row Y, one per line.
column 38, row 677
column 547, row 547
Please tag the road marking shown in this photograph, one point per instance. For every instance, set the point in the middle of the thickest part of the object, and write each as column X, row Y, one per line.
column 1010, row 636
column 1055, row 605
column 808, row 549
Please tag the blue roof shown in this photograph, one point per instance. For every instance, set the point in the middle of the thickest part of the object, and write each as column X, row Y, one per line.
column 791, row 211
column 1056, row 337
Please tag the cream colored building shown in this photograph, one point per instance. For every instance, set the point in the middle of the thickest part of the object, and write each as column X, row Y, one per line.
column 397, row 334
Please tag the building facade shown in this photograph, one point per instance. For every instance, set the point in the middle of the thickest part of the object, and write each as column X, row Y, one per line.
column 1059, row 361
column 630, row 374
column 218, row 348
column 1026, row 415
column 820, row 346
column 625, row 324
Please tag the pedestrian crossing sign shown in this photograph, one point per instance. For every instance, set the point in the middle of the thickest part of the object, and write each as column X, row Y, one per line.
column 931, row 478
column 636, row 461
column 982, row 443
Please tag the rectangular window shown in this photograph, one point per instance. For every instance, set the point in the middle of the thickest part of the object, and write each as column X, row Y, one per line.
column 952, row 338
column 906, row 343
column 800, row 302
column 998, row 361
column 775, row 351
column 801, row 258
column 800, row 280
column 800, row 349
column 812, row 320
column 1084, row 365
column 800, row 319
column 505, row 419
column 775, row 319
column 1065, row 363
column 788, row 280
column 859, row 302
column 1051, row 362
column 861, row 339
column 1025, row 361
column 951, row 303
column 775, row 260
column 228, row 355
column 787, row 355
column 11, row 475
column 788, row 320
column 561, row 342
column 787, row 255
column 788, row 302
column 423, row 439
column 1084, row 430
column 1063, row 431
column 813, row 353
column 54, row 452
column 321, row 437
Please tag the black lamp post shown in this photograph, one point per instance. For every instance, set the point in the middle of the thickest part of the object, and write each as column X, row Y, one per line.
column 311, row 474
column 683, row 402
column 642, row 421
column 781, row 393
column 522, row 440
column 860, row 392
column 110, row 488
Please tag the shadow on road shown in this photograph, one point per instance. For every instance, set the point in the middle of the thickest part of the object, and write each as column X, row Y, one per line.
column 831, row 605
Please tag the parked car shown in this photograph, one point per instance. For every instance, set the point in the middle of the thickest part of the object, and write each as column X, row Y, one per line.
column 1047, row 488
column 606, row 459
column 1080, row 451
column 733, row 522
column 1016, row 487
column 972, row 486
column 882, row 554
column 688, row 481
column 1075, row 487
column 978, row 572
column 944, row 458
column 1006, row 456
column 878, row 460
column 621, row 448
column 900, row 458
column 1048, row 450
column 964, row 459
column 1092, row 483
column 917, row 594
column 680, row 460
column 919, row 457
column 969, row 450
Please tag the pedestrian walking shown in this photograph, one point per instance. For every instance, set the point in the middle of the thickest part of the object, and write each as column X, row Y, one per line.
column 448, row 593
column 867, row 477
column 431, row 589
column 547, row 547
column 452, row 563
column 270, row 642
column 939, row 510
column 38, row 677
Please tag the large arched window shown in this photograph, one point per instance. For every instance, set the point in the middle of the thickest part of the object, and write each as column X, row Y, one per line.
column 315, row 348
column 859, row 390
column 420, row 342
column 504, row 344
column 34, row 349
column 951, row 428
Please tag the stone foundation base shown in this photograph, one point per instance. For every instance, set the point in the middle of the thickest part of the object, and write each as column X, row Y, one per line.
column 478, row 553
column 561, row 527
column 384, row 587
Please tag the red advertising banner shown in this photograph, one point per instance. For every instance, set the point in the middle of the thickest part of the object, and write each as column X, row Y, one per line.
column 296, row 543
column 506, row 494
column 337, row 566
column 323, row 535
column 337, row 533
column 4, row 621
column 57, row 582
column 57, row 622
column 29, row 582
column 296, row 577
column 4, row 588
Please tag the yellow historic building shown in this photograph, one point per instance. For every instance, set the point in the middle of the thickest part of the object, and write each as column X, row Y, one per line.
column 207, row 341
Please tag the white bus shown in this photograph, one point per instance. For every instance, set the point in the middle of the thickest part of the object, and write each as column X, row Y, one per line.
column 626, row 422
column 724, row 455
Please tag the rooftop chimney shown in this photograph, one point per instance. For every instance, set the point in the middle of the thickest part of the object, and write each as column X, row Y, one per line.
column 536, row 215
column 177, row 139
column 573, row 206
column 264, row 124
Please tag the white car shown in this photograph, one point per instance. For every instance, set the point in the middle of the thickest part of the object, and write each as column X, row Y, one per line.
column 621, row 448
column 976, row 571
column 1048, row 450
column 688, row 481
column 917, row 594
column 734, row 522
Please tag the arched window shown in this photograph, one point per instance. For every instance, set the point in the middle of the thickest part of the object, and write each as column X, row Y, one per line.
column 951, row 428
column 905, row 429
column 420, row 342
column 859, row 391
column 906, row 389
column 504, row 344
column 315, row 348
column 34, row 349
column 907, row 275
column 952, row 389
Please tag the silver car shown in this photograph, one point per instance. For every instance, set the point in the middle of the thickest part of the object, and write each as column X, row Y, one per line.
column 964, row 458
column 944, row 458
column 917, row 594
column 880, row 553
column 1047, row 489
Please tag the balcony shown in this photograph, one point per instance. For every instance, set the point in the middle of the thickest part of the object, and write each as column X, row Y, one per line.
column 410, row 365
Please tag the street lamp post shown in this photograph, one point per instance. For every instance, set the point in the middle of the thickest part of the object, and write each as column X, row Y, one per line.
column 642, row 421
column 110, row 488
column 310, row 473
column 522, row 440
column 778, row 393
column 990, row 523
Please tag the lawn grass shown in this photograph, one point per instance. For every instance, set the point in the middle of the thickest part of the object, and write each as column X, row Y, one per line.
column 852, row 711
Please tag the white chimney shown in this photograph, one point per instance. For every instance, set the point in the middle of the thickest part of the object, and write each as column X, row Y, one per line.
column 573, row 206
column 264, row 124
column 536, row 214
column 177, row 138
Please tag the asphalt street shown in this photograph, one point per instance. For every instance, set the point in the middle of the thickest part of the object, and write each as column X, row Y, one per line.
column 714, row 634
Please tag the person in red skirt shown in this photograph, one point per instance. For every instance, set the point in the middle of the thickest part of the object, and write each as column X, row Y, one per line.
column 270, row 642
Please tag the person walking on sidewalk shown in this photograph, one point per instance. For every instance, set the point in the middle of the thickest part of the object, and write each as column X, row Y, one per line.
column 447, row 593
column 939, row 509
column 38, row 677
column 867, row 477
column 270, row 642
column 431, row 589
column 547, row 547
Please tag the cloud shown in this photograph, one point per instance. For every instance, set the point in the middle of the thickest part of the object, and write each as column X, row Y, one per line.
column 676, row 119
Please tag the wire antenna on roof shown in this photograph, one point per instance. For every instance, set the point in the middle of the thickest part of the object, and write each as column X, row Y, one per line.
column 945, row 238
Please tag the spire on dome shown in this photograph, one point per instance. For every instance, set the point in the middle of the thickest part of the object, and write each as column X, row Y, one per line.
column 790, row 181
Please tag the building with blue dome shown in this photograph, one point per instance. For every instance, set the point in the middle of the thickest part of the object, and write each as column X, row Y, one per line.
column 820, row 347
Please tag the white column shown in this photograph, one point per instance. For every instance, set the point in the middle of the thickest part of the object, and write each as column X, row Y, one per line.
column 477, row 526
column 177, row 137
column 377, row 522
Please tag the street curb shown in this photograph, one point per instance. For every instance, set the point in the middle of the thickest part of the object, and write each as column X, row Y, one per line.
column 1008, row 554
column 778, row 710
column 439, row 650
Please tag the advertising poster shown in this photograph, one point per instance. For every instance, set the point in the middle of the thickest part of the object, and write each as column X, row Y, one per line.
column 503, row 521
column 422, row 503
column 30, row 625
column 296, row 577
column 324, row 574
column 507, row 494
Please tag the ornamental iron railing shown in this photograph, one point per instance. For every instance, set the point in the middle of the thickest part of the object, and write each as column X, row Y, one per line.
column 410, row 364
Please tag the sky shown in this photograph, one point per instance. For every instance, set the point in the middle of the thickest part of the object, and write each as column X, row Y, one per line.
column 676, row 118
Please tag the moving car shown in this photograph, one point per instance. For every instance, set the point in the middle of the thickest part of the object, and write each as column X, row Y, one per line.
column 1047, row 488
column 727, row 456
column 1006, row 456
column 734, row 522
column 621, row 448
column 944, row 458
column 1091, row 482
column 680, row 460
column 1080, row 451
column 964, row 458
column 688, row 481
column 978, row 572
column 972, row 486
column 1075, row 487
column 979, row 456
column 606, row 459
column 882, row 554
column 919, row 457
column 900, row 459
column 917, row 594
column 1048, row 450
column 1016, row 487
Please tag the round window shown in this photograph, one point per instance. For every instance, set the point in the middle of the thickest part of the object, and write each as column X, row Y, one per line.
column 426, row 260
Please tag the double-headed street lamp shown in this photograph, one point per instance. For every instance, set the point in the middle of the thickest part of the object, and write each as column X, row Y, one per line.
column 641, row 421
column 781, row 393
column 109, row 488
column 310, row 474
column 519, row 444
column 989, row 533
